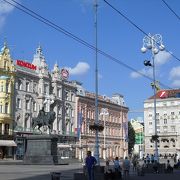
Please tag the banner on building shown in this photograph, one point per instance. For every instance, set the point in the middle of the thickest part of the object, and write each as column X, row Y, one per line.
column 125, row 127
column 79, row 124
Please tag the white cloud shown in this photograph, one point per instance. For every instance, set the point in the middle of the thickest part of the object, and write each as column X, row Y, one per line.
column 147, row 72
column 162, row 57
column 176, row 84
column 80, row 69
column 175, row 72
column 5, row 9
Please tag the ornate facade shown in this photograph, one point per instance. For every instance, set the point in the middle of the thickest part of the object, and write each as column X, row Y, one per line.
column 7, row 78
column 112, row 115
column 26, row 88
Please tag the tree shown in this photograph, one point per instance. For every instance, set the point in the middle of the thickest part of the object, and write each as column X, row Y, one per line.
column 131, row 138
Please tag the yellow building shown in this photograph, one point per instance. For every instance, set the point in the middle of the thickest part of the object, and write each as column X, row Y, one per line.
column 7, row 77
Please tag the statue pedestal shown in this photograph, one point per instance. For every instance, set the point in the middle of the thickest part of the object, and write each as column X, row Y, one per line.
column 41, row 149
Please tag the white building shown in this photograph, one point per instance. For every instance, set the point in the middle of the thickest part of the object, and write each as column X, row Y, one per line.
column 167, row 122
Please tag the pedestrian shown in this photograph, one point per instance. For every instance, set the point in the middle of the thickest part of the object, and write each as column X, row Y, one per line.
column 169, row 168
column 108, row 173
column 90, row 162
column 126, row 168
column 117, row 168
column 117, row 164
column 152, row 158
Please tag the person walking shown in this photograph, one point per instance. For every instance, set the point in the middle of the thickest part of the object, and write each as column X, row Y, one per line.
column 108, row 173
column 90, row 162
column 117, row 168
column 126, row 168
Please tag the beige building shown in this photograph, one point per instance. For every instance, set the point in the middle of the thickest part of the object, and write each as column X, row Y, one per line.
column 7, row 77
column 112, row 115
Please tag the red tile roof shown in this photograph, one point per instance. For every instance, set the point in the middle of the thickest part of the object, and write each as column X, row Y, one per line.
column 167, row 93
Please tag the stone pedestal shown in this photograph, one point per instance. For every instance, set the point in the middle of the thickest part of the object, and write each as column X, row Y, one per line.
column 41, row 149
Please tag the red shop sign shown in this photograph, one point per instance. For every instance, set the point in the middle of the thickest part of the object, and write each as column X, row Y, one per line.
column 25, row 64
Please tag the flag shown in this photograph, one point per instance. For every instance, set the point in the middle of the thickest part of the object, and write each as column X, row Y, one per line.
column 125, row 126
column 79, row 124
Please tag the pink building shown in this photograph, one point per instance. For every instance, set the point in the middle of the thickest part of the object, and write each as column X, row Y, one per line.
column 112, row 115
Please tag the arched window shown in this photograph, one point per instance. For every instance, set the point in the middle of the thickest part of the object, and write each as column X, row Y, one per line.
column 27, row 86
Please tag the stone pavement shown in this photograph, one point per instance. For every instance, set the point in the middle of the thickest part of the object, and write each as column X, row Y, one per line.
column 15, row 170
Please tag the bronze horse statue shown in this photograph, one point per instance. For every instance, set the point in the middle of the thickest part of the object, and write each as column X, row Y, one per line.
column 44, row 119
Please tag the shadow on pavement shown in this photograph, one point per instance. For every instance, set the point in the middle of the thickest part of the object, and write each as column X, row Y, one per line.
column 65, row 175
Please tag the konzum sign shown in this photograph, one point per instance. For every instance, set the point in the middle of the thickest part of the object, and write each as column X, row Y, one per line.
column 25, row 64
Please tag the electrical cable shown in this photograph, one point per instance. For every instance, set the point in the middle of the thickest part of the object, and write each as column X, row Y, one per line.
column 137, row 27
column 69, row 34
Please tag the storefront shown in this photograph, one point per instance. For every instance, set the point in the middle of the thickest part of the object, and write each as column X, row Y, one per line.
column 7, row 149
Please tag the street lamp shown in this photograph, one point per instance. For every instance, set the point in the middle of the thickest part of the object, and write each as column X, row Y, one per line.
column 153, row 43
column 104, row 113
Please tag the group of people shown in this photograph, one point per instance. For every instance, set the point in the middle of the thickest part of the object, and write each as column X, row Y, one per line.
column 110, row 171
column 118, row 168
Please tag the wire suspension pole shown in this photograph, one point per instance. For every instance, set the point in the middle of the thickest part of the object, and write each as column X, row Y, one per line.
column 96, row 153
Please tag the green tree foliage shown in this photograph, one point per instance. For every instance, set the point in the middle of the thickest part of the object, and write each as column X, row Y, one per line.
column 131, row 138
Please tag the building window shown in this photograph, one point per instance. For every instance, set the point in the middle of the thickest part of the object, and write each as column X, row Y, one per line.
column 157, row 121
column 19, row 85
column 165, row 121
column 27, row 86
column 1, row 109
column 72, row 97
column 7, row 87
column 165, row 129
column 1, row 88
column 173, row 128
column 59, row 93
column 150, row 115
column 0, row 128
column 150, row 123
column 6, row 108
column 45, row 89
column 172, row 113
column 66, row 95
column 18, row 103
column 27, row 104
column 34, row 106
column 6, row 129
column 34, row 87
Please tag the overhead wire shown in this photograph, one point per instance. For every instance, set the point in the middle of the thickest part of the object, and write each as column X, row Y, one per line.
column 76, row 38
column 137, row 27
column 168, row 6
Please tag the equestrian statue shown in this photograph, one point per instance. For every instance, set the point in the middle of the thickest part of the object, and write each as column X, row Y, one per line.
column 44, row 119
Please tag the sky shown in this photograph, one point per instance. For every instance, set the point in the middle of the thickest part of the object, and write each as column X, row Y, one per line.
column 116, row 37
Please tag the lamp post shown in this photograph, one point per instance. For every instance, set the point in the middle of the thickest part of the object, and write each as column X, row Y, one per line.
column 155, row 44
column 104, row 113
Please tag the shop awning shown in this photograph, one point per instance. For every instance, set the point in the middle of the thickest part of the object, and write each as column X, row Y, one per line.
column 63, row 145
column 7, row 143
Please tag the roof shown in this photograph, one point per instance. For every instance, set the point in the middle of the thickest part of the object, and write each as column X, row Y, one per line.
column 167, row 93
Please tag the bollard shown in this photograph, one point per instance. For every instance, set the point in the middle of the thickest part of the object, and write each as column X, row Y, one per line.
column 55, row 175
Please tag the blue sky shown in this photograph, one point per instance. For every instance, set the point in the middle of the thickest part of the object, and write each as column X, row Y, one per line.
column 116, row 36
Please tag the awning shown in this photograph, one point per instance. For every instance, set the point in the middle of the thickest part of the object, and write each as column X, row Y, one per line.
column 7, row 143
column 63, row 145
